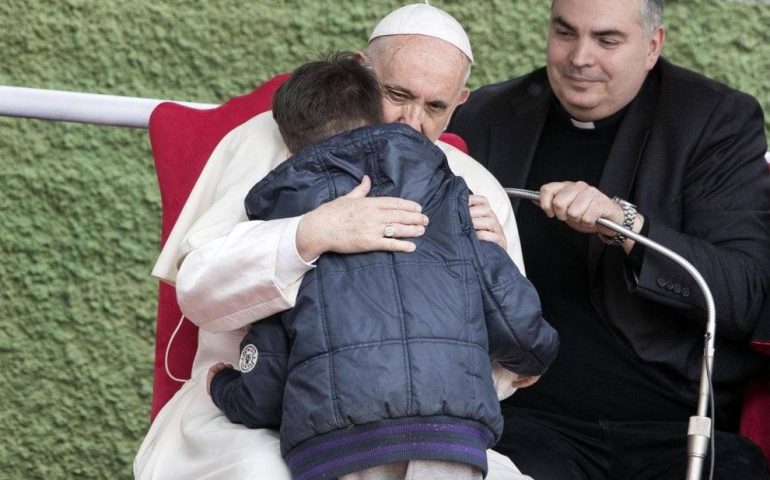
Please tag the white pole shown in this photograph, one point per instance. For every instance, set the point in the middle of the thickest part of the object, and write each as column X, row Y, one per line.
column 81, row 107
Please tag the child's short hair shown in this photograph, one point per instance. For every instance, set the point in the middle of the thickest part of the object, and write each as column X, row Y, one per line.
column 326, row 97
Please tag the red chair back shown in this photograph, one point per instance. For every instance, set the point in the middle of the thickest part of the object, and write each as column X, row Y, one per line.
column 182, row 140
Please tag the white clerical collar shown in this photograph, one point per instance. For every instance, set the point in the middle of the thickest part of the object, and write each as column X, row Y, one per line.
column 582, row 125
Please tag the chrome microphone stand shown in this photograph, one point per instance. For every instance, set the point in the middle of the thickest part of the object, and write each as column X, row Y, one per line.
column 700, row 428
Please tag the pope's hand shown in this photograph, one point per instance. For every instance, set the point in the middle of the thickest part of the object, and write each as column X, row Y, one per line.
column 355, row 223
column 485, row 221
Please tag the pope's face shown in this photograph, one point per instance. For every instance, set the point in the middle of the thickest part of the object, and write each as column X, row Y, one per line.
column 422, row 78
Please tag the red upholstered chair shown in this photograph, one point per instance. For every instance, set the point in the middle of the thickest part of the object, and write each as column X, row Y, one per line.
column 182, row 139
column 755, row 416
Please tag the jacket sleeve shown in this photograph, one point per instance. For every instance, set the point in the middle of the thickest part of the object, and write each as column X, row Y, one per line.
column 254, row 397
column 519, row 338
column 725, row 227
column 229, row 393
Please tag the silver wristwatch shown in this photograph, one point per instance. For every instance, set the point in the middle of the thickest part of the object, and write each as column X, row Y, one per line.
column 629, row 216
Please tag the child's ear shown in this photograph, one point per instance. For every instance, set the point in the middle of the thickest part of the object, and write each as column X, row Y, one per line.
column 361, row 57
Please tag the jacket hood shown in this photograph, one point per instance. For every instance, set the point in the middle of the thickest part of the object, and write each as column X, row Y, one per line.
column 400, row 161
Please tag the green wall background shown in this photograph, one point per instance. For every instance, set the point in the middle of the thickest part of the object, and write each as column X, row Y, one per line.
column 79, row 204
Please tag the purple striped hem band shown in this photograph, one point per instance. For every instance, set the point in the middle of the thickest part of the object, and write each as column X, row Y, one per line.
column 335, row 443
column 351, row 449
column 340, row 462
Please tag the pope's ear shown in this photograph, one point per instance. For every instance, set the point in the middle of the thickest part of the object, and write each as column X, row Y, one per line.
column 463, row 96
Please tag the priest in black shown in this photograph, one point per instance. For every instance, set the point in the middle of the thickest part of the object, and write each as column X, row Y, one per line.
column 610, row 129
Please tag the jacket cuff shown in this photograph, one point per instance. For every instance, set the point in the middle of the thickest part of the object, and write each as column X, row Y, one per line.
column 219, row 382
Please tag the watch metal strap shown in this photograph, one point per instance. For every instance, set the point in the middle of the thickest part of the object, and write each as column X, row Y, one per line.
column 629, row 215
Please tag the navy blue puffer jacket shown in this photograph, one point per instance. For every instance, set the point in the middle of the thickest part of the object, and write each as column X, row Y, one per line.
column 390, row 352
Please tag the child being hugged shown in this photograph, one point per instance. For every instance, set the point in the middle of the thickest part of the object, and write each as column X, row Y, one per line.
column 383, row 367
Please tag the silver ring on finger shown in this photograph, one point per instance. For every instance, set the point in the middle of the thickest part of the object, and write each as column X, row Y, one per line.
column 389, row 231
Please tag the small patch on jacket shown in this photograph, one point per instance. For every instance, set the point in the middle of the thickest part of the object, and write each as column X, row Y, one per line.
column 248, row 359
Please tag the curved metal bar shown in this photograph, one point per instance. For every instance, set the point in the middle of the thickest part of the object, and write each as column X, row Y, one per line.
column 700, row 429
